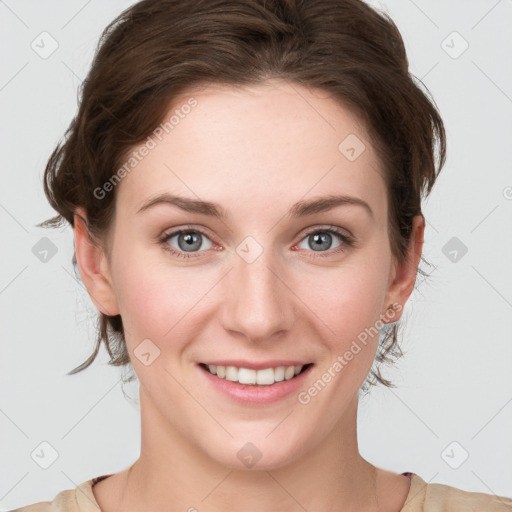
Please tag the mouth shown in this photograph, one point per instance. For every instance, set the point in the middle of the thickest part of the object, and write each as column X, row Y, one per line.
column 252, row 377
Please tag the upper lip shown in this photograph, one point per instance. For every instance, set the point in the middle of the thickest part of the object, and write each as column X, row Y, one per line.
column 240, row 363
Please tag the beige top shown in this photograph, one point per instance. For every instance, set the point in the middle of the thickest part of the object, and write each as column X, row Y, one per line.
column 422, row 497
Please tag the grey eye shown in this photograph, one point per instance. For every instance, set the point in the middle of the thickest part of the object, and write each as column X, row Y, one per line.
column 190, row 241
column 320, row 240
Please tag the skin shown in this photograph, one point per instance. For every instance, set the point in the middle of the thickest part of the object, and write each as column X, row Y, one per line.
column 255, row 151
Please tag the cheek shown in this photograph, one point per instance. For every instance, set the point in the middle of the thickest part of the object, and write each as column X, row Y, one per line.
column 156, row 300
column 152, row 303
column 350, row 303
column 349, row 298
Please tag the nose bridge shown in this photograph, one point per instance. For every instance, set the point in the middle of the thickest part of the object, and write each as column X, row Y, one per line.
column 258, row 303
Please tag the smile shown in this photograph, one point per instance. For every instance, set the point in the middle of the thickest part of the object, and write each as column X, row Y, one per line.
column 263, row 377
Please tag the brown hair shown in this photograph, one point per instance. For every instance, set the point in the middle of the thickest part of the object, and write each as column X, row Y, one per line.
column 158, row 49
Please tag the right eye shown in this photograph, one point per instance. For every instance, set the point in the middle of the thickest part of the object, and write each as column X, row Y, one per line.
column 188, row 241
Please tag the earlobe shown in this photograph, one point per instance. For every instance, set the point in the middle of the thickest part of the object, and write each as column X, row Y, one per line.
column 93, row 267
column 404, row 275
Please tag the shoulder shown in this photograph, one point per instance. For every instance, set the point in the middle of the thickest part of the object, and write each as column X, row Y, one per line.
column 79, row 499
column 444, row 497
column 425, row 497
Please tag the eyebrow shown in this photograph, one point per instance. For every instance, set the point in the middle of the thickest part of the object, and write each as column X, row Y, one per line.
column 300, row 209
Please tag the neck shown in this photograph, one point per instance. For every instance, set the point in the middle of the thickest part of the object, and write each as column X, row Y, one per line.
column 332, row 477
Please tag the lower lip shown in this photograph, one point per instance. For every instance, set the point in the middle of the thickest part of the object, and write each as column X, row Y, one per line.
column 256, row 394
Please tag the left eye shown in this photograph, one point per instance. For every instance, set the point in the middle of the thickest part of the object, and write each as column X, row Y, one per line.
column 322, row 239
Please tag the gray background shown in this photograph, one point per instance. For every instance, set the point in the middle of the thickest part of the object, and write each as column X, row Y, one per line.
column 454, row 395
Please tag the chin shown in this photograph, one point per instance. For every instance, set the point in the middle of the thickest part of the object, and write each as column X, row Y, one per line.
column 258, row 454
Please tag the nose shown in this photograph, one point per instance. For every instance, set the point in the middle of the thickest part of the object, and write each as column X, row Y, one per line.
column 257, row 303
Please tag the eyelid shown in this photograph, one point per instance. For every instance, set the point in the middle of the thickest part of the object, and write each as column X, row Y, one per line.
column 186, row 227
column 327, row 227
column 205, row 232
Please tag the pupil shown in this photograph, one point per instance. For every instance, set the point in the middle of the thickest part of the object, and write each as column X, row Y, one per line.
column 318, row 238
column 191, row 239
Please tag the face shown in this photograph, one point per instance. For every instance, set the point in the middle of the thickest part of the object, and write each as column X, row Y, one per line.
column 266, row 283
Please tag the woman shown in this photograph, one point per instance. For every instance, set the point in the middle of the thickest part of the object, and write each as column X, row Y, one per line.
column 244, row 180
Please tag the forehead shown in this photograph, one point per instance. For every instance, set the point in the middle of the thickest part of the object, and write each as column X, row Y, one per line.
column 275, row 142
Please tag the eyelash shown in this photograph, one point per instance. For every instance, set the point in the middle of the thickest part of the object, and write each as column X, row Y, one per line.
column 348, row 241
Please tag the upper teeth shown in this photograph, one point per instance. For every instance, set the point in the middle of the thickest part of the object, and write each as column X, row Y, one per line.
column 247, row 376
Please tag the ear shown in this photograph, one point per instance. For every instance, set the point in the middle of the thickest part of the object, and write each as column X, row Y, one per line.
column 403, row 276
column 94, row 267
